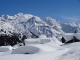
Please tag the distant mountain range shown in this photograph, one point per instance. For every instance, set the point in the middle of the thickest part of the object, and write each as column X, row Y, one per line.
column 26, row 23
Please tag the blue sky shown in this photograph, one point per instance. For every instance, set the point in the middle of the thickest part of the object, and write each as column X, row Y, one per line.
column 63, row 10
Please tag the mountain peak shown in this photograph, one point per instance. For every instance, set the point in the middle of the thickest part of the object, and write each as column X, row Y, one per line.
column 49, row 18
column 26, row 22
column 20, row 14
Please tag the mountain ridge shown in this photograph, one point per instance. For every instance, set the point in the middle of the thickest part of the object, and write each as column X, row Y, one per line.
column 26, row 23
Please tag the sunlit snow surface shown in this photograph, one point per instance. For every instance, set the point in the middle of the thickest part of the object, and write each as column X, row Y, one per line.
column 42, row 48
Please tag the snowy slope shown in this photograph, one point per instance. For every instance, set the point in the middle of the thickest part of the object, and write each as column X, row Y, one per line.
column 74, row 51
column 45, row 51
column 69, row 36
column 50, row 50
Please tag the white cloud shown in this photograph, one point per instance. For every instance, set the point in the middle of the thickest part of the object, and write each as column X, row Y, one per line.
column 72, row 18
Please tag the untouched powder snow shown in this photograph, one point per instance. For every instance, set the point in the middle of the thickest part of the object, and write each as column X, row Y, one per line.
column 69, row 36
column 47, row 56
column 5, row 48
column 37, row 50
column 41, row 40
column 74, row 51
column 25, row 50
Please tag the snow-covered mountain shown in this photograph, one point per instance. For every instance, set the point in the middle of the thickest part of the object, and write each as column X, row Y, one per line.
column 26, row 23
column 70, row 27
column 63, row 27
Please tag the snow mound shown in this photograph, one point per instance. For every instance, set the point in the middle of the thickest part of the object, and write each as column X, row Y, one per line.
column 25, row 50
column 42, row 36
column 37, row 41
column 44, row 40
column 56, row 40
column 43, row 48
column 32, row 41
column 69, row 36
column 5, row 48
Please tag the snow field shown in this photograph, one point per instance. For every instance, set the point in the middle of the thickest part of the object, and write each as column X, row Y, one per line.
column 42, row 49
column 5, row 48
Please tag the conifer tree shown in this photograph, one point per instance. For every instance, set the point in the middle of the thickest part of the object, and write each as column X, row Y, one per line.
column 63, row 40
